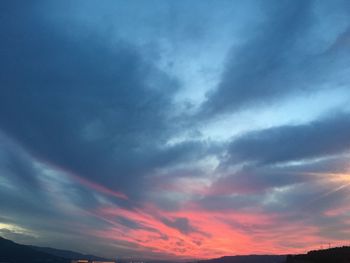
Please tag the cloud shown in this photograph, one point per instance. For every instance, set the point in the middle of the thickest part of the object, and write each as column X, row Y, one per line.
column 284, row 55
column 86, row 105
column 182, row 224
column 320, row 138
column 101, row 150
column 256, row 180
column 311, row 194
column 19, row 237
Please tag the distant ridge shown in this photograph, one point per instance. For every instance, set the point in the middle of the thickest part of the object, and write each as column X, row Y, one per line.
column 15, row 253
column 331, row 255
column 248, row 259
column 68, row 254
column 11, row 252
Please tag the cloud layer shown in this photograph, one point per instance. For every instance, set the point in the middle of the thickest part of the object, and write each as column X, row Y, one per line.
column 107, row 116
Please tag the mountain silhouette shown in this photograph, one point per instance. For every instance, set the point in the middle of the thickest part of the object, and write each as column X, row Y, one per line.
column 331, row 255
column 11, row 252
column 68, row 254
column 15, row 253
column 248, row 259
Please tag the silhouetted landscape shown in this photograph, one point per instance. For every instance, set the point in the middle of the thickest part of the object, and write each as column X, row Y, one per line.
column 248, row 259
column 331, row 255
column 12, row 252
column 67, row 254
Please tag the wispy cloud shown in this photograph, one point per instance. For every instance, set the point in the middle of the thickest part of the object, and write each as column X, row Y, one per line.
column 109, row 114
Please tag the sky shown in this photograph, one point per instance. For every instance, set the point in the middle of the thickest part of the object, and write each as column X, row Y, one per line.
column 175, row 129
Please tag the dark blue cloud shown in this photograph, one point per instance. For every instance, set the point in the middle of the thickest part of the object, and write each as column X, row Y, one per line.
column 277, row 60
column 182, row 224
column 320, row 138
column 255, row 180
column 99, row 110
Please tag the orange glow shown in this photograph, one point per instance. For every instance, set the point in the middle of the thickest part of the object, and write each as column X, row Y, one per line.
column 205, row 233
column 213, row 234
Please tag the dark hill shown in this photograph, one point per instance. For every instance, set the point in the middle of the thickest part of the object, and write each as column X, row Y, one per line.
column 332, row 255
column 248, row 259
column 15, row 253
column 68, row 254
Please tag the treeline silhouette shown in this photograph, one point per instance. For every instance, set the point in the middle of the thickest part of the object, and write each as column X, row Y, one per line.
column 331, row 255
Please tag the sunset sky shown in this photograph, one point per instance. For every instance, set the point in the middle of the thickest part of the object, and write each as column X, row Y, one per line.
column 175, row 129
